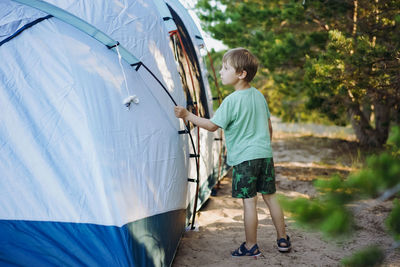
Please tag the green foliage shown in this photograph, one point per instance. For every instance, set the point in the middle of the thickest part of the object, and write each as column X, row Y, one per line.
column 256, row 25
column 393, row 220
column 368, row 257
column 305, row 211
column 321, row 61
column 329, row 212
column 394, row 141
column 326, row 216
column 382, row 172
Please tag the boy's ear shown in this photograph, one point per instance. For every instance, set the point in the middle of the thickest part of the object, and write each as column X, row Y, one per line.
column 242, row 75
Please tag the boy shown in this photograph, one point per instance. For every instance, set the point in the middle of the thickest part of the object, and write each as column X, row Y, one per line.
column 245, row 118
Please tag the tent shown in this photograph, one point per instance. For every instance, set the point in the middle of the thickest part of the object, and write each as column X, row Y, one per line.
column 95, row 168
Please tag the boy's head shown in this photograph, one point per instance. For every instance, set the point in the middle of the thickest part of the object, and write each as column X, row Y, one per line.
column 242, row 60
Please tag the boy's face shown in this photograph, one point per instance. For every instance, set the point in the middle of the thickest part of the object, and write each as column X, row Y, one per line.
column 228, row 74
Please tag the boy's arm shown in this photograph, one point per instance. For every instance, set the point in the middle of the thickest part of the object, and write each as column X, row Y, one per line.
column 181, row 112
column 270, row 129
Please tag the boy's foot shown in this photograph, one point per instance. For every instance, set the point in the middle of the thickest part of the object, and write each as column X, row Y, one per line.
column 284, row 245
column 243, row 251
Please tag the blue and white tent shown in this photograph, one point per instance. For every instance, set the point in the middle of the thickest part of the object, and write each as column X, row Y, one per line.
column 94, row 166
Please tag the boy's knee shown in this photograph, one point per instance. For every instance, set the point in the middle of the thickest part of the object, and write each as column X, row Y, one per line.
column 250, row 201
column 268, row 197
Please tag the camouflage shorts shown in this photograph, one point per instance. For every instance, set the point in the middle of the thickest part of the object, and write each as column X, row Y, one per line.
column 252, row 176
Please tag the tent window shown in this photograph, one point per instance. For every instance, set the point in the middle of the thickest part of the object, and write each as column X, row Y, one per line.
column 199, row 88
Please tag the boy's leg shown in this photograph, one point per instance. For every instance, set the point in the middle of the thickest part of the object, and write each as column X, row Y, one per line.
column 266, row 186
column 276, row 214
column 244, row 178
column 250, row 221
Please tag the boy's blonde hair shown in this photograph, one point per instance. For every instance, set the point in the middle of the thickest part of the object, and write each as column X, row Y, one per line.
column 241, row 59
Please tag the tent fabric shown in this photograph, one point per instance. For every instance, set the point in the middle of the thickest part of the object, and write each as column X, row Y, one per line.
column 80, row 24
column 208, row 164
column 166, row 15
column 12, row 21
column 184, row 14
column 26, row 26
column 80, row 171
column 148, row 242
column 84, row 118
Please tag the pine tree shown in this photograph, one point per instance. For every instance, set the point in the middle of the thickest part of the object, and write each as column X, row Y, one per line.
column 330, row 213
column 340, row 58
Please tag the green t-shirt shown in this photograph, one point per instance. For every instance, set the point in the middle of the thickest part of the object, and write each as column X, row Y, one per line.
column 244, row 117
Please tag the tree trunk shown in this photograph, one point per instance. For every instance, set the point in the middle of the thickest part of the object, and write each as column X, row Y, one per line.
column 396, row 114
column 363, row 130
column 366, row 135
column 382, row 120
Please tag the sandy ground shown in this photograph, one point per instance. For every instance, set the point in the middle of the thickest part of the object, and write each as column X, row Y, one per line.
column 298, row 161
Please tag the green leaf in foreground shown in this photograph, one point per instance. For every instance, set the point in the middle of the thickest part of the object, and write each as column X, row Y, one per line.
column 368, row 257
column 392, row 222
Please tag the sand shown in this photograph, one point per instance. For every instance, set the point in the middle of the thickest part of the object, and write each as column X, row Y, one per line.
column 298, row 160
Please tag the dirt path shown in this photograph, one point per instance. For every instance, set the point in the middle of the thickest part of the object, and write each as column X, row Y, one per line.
column 299, row 160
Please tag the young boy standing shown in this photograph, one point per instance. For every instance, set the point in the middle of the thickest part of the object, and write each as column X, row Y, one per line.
column 245, row 118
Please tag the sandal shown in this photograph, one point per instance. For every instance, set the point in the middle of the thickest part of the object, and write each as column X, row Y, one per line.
column 287, row 243
column 243, row 251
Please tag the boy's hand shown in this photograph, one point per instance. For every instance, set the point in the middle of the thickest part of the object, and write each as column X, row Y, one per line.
column 180, row 112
